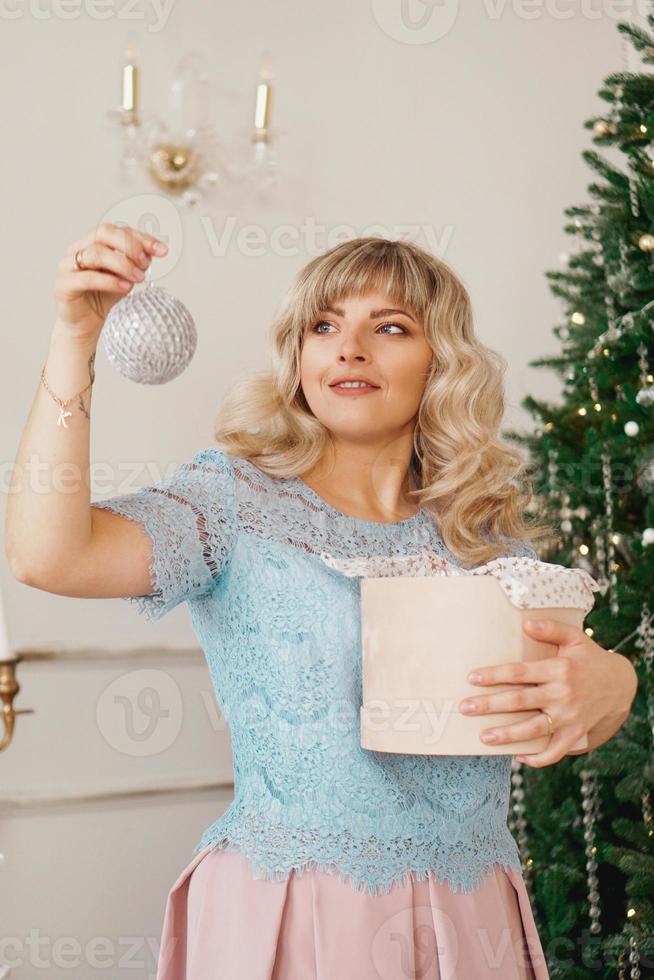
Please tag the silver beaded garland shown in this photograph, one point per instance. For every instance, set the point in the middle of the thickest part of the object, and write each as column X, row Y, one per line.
column 592, row 384
column 565, row 513
column 634, row 958
column 590, row 806
column 600, row 555
column 633, row 196
column 553, row 470
column 149, row 336
column 645, row 395
column 610, row 549
column 645, row 644
column 648, row 818
column 645, row 472
column 554, row 487
column 609, row 302
column 517, row 824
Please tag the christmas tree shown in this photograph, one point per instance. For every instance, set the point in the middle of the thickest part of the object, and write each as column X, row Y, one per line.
column 584, row 826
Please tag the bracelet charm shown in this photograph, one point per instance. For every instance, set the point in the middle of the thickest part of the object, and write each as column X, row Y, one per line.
column 63, row 405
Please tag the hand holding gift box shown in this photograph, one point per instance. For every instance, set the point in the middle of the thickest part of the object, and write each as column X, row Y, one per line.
column 426, row 623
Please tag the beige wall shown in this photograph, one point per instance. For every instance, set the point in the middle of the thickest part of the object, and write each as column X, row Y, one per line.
column 473, row 139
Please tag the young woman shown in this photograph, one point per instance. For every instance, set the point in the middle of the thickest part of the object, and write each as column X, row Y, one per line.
column 333, row 861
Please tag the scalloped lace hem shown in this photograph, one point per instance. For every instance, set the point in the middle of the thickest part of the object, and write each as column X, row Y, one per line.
column 465, row 883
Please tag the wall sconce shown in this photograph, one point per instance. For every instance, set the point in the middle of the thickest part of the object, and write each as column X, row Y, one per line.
column 182, row 154
column 9, row 688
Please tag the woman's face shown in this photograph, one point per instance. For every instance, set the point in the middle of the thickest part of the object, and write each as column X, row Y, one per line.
column 365, row 337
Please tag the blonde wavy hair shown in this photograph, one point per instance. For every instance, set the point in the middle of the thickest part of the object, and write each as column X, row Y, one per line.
column 473, row 484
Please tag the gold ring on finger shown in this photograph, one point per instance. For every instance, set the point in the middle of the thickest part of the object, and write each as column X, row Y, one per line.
column 78, row 262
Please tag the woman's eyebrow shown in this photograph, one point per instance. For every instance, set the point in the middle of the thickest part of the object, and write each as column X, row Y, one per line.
column 374, row 314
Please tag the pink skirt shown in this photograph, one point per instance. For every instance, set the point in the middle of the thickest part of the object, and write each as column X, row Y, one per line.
column 221, row 923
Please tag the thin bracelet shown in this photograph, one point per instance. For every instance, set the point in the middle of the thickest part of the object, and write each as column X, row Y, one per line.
column 63, row 414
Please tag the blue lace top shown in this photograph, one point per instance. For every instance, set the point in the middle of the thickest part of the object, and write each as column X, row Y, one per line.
column 281, row 634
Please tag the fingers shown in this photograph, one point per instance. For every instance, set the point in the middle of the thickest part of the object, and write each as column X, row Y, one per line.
column 553, row 690
column 108, row 270
column 137, row 245
column 131, row 241
column 534, row 727
column 99, row 256
column 69, row 287
column 519, row 672
column 554, row 631
column 558, row 746
column 515, row 699
column 115, row 257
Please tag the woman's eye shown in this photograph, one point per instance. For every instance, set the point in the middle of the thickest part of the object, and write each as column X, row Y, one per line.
column 327, row 324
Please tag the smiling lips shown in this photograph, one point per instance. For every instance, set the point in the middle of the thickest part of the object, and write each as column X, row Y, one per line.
column 353, row 386
column 360, row 389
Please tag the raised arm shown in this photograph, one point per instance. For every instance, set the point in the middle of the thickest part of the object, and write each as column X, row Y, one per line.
column 54, row 539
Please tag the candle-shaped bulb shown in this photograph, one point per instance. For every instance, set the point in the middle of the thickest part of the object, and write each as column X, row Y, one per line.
column 263, row 99
column 262, row 106
column 130, row 93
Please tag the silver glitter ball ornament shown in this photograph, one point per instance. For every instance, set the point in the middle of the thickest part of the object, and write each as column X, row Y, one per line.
column 149, row 336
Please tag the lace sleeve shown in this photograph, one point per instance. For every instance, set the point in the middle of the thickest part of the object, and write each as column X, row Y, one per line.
column 190, row 520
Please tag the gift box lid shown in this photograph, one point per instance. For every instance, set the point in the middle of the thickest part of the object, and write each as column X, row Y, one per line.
column 528, row 582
